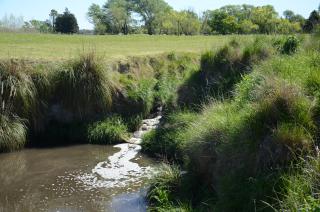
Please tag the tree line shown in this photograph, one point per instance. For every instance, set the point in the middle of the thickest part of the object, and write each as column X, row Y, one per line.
column 58, row 23
column 157, row 17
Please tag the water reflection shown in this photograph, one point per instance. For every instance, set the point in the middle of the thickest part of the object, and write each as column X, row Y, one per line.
column 48, row 179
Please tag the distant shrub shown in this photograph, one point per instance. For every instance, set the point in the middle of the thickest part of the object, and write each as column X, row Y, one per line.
column 111, row 130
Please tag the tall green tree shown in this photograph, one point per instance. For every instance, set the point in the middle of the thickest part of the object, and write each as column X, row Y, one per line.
column 151, row 12
column 265, row 17
column 288, row 14
column 66, row 23
column 230, row 19
column 53, row 15
column 215, row 21
column 119, row 14
column 38, row 26
column 97, row 17
column 247, row 26
column 312, row 22
column 189, row 22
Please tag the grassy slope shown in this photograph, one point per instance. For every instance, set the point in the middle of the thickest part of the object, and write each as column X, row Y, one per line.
column 237, row 147
column 60, row 47
column 243, row 153
column 81, row 99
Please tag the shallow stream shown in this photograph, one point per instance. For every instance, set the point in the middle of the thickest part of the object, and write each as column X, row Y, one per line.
column 77, row 178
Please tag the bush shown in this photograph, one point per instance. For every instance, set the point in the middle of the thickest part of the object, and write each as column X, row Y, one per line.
column 258, row 51
column 109, row 131
column 13, row 134
column 290, row 45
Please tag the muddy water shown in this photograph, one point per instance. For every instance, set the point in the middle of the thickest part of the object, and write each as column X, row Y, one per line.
column 75, row 178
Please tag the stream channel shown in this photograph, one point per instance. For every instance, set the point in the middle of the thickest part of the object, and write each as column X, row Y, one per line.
column 78, row 178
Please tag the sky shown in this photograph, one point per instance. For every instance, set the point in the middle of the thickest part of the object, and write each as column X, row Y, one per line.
column 40, row 9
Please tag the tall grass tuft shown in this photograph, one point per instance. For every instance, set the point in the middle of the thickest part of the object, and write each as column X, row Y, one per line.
column 287, row 45
column 300, row 190
column 42, row 78
column 17, row 90
column 84, row 87
column 18, row 100
column 167, row 179
column 13, row 133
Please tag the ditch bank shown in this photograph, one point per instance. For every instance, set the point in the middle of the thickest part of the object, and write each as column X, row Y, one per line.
column 85, row 100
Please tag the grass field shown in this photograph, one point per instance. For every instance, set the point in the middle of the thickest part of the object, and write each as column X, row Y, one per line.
column 50, row 47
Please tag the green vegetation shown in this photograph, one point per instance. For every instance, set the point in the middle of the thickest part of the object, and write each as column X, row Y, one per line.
column 111, row 130
column 13, row 133
column 241, row 121
column 167, row 180
column 302, row 186
column 53, row 48
column 167, row 139
column 66, row 23
column 221, row 69
column 254, row 149
column 85, row 100
column 158, row 17
column 120, row 16
column 86, row 76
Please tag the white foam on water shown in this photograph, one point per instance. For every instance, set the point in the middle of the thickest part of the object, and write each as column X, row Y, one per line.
column 119, row 170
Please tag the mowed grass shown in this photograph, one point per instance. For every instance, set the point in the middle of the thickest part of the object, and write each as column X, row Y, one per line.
column 49, row 47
